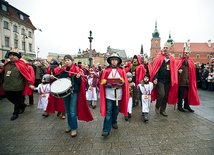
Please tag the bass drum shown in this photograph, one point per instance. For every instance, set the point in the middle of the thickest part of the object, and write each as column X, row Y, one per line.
column 61, row 88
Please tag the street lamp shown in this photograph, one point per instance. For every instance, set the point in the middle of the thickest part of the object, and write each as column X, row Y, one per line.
column 37, row 56
column 24, row 43
column 90, row 54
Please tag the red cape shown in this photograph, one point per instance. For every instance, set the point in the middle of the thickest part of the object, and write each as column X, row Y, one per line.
column 125, row 89
column 140, row 70
column 193, row 98
column 55, row 104
column 28, row 91
column 25, row 70
column 83, row 111
column 172, row 97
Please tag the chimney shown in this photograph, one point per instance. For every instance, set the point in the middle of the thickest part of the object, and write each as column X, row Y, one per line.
column 209, row 43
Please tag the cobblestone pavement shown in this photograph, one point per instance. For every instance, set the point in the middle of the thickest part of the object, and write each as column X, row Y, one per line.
column 179, row 133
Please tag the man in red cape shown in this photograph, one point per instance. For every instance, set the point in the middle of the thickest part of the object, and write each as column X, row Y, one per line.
column 17, row 80
column 187, row 84
column 164, row 76
column 113, row 96
column 138, row 71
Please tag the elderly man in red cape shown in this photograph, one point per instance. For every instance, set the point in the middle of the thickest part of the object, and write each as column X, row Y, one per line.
column 17, row 80
column 138, row 71
column 114, row 93
column 164, row 76
column 187, row 84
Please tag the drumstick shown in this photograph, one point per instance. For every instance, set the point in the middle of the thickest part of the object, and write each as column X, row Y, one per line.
column 75, row 73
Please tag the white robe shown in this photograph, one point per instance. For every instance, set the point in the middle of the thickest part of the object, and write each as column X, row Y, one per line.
column 44, row 91
column 91, row 93
column 146, row 91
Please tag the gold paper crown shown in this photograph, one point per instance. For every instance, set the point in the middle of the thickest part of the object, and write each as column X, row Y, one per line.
column 167, row 44
column 14, row 50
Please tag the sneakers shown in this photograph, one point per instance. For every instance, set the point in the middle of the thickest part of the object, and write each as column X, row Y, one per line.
column 105, row 133
column 14, row 117
column 163, row 113
column 73, row 133
column 68, row 129
column 63, row 116
column 114, row 126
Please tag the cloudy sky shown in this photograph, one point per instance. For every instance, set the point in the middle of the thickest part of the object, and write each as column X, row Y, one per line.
column 120, row 24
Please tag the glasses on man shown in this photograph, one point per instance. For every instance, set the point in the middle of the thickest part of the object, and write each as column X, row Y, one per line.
column 165, row 48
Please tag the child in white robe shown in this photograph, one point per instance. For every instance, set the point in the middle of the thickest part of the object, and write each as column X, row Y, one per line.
column 145, row 89
column 44, row 91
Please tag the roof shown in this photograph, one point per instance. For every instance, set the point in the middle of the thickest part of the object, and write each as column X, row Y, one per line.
column 121, row 53
column 195, row 47
column 13, row 13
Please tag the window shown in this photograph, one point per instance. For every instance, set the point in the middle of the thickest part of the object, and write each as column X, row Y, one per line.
column 6, row 25
column 21, row 17
column 197, row 56
column 23, row 45
column 15, row 43
column 4, row 7
column 15, row 29
column 30, row 47
column 23, row 31
column 7, row 41
column 29, row 34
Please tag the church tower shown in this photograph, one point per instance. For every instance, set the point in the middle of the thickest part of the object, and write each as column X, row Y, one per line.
column 155, row 42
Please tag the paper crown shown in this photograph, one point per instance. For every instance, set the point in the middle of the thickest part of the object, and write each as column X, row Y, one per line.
column 167, row 44
column 15, row 51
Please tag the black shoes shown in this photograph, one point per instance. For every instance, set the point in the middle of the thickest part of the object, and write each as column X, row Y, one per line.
column 114, row 126
column 181, row 109
column 22, row 109
column 189, row 109
column 126, row 118
column 45, row 115
column 105, row 133
column 14, row 117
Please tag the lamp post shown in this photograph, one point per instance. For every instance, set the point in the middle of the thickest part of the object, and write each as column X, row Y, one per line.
column 24, row 43
column 37, row 56
column 90, row 54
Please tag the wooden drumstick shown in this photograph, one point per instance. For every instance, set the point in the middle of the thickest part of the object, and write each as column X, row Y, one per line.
column 75, row 73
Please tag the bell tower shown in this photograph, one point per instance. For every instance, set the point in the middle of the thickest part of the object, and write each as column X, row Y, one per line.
column 155, row 42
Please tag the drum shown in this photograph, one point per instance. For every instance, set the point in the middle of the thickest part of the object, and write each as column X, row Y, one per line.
column 61, row 88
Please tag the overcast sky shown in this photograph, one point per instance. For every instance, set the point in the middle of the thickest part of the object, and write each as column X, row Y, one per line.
column 120, row 24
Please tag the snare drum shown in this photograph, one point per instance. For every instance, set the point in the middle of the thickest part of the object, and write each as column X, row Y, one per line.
column 61, row 88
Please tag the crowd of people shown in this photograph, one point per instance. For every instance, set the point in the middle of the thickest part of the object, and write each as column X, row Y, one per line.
column 119, row 88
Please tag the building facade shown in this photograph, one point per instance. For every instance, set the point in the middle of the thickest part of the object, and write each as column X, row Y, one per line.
column 16, row 31
column 200, row 52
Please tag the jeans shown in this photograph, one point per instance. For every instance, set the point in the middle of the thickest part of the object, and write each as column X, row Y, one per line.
column 112, row 112
column 71, row 110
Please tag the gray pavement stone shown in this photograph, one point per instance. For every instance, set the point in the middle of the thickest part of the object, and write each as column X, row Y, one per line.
column 178, row 134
